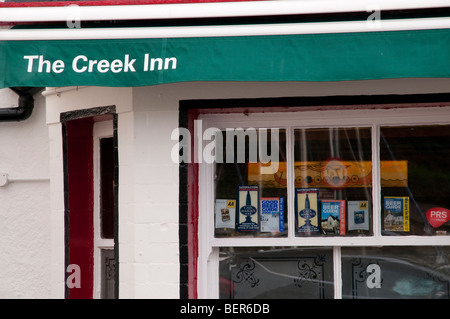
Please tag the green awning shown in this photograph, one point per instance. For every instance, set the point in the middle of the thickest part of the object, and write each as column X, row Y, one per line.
column 303, row 57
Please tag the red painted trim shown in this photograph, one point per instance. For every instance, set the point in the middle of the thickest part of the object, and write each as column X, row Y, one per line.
column 108, row 2
column 193, row 213
column 81, row 204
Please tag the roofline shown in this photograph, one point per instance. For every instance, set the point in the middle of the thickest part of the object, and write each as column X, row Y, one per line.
column 199, row 10
column 224, row 31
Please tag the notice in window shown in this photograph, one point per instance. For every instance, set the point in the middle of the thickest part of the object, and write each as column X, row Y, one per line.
column 307, row 209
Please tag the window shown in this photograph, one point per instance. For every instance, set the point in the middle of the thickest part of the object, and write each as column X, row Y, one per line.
column 276, row 273
column 104, row 221
column 424, row 154
column 333, row 168
column 325, row 204
column 395, row 272
column 241, row 168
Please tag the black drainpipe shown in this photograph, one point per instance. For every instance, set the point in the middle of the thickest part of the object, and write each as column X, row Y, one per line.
column 25, row 107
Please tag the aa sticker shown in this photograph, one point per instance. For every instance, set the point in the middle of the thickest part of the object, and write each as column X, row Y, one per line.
column 231, row 203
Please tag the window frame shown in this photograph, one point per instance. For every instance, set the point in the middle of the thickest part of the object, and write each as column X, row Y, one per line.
column 372, row 117
column 101, row 129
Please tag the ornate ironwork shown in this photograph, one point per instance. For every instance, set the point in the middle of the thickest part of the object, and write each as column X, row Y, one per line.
column 246, row 273
column 310, row 269
column 110, row 268
column 308, row 274
column 359, row 273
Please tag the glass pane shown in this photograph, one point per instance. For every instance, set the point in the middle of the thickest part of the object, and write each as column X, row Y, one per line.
column 107, row 187
column 396, row 272
column 249, row 199
column 416, row 185
column 333, row 182
column 246, row 273
column 108, row 269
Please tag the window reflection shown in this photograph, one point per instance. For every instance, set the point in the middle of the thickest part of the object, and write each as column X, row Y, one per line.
column 248, row 201
column 420, row 206
column 333, row 181
column 396, row 272
column 276, row 273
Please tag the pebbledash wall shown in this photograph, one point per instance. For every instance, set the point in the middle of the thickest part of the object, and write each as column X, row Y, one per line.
column 32, row 212
column 26, row 223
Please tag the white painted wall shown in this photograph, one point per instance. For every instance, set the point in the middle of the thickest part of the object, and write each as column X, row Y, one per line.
column 7, row 98
column 24, row 205
column 148, row 187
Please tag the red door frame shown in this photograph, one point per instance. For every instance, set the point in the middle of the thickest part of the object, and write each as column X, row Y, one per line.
column 80, row 205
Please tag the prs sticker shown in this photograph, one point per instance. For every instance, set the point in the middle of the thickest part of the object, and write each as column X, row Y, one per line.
column 437, row 216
